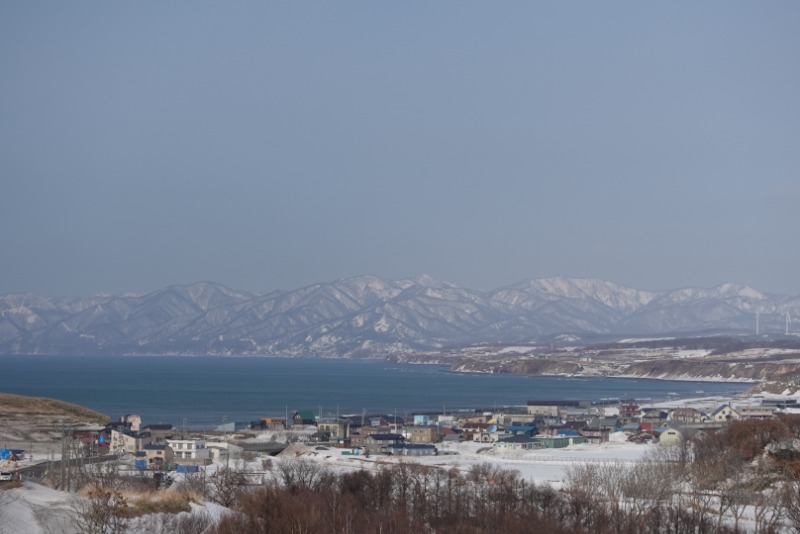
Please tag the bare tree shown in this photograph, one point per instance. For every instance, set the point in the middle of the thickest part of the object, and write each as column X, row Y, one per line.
column 790, row 499
column 302, row 474
column 102, row 512
column 226, row 485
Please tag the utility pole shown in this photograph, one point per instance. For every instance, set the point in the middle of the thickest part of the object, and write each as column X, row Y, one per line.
column 65, row 456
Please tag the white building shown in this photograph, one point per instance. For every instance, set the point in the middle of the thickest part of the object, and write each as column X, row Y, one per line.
column 725, row 413
column 189, row 449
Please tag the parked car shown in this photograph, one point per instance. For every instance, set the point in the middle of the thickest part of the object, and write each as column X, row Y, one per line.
column 5, row 476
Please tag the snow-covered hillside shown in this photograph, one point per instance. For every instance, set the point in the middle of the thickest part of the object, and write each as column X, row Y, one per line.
column 371, row 316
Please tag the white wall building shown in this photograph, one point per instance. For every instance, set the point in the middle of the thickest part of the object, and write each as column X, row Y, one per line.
column 189, row 449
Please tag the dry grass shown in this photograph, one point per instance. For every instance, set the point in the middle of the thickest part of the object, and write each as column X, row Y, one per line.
column 144, row 502
column 161, row 504
column 20, row 404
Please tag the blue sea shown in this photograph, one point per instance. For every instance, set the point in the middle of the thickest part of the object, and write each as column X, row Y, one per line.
column 202, row 391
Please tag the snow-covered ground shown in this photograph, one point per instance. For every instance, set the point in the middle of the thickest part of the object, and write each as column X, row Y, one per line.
column 540, row 466
column 36, row 509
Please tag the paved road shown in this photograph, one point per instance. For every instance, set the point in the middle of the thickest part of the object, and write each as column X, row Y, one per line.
column 37, row 471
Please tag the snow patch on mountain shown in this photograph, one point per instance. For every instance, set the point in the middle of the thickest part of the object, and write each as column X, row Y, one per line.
column 367, row 313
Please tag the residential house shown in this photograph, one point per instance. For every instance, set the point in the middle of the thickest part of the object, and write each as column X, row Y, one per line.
column 446, row 419
column 379, row 443
column 89, row 437
column 125, row 442
column 335, row 429
column 490, row 435
column 222, row 450
column 471, row 429
column 157, row 456
column 609, row 424
column 449, row 434
column 158, row 433
column 724, row 413
column 652, row 418
column 552, row 408
column 132, row 421
column 599, row 428
column 684, row 416
column 359, row 439
column 304, row 417
column 192, row 450
column 425, row 434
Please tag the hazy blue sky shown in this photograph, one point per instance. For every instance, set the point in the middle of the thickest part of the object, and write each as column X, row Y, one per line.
column 271, row 145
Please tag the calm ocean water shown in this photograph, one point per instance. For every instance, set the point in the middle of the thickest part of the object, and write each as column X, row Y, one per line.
column 201, row 391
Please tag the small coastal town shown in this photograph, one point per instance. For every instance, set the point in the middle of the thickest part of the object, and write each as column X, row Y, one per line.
column 399, row 267
column 546, row 442
column 542, row 424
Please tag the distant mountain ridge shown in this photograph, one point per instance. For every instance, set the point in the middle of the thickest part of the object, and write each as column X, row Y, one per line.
column 370, row 316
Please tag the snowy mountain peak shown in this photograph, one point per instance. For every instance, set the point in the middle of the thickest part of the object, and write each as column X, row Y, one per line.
column 741, row 291
column 607, row 293
column 368, row 315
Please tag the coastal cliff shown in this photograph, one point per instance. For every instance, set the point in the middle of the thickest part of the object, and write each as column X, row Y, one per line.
column 713, row 370
column 516, row 367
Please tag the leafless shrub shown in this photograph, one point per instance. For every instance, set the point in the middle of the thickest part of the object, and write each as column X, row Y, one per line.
column 226, row 485
column 302, row 474
column 102, row 512
column 194, row 483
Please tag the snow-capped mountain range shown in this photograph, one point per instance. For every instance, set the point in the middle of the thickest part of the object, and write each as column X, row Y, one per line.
column 370, row 316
